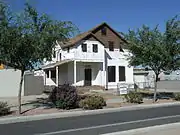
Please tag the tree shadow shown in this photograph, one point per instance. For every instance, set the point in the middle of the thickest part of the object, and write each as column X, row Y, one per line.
column 39, row 102
column 160, row 95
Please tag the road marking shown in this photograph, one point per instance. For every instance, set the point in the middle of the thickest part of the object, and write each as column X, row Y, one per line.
column 145, row 130
column 107, row 125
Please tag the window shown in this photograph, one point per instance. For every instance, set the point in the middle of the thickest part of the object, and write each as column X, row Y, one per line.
column 68, row 49
column 120, row 49
column 53, row 73
column 47, row 73
column 111, row 73
column 95, row 48
column 60, row 56
column 166, row 73
column 122, row 76
column 104, row 31
column 84, row 47
column 54, row 54
column 111, row 46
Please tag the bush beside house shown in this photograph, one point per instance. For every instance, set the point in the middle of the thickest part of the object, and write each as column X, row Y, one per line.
column 134, row 97
column 177, row 96
column 92, row 102
column 66, row 97
column 4, row 109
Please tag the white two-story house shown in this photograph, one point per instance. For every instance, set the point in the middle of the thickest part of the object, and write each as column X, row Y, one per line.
column 96, row 57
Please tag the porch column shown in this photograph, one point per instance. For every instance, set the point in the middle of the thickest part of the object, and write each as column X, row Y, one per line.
column 45, row 76
column 49, row 73
column 74, row 72
column 57, row 75
column 117, row 74
column 104, row 75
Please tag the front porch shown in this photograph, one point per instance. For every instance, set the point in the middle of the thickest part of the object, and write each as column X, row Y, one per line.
column 77, row 73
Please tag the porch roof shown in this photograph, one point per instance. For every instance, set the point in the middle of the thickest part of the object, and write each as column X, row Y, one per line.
column 53, row 65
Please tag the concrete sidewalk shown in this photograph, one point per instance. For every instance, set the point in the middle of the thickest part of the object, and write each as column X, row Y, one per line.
column 168, row 129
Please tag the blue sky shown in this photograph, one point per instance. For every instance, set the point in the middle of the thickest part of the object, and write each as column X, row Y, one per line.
column 120, row 14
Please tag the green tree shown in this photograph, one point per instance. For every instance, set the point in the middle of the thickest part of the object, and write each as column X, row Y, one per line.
column 28, row 38
column 154, row 49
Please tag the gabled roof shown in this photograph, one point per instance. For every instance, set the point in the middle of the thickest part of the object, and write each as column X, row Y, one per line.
column 105, row 24
column 78, row 38
column 90, row 33
column 74, row 40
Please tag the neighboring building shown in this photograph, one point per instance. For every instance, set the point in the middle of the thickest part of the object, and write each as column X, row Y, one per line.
column 97, row 57
column 10, row 79
column 170, row 76
column 143, row 78
column 168, row 81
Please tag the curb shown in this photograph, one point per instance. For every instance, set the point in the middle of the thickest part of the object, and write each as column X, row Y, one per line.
column 146, row 130
column 16, row 119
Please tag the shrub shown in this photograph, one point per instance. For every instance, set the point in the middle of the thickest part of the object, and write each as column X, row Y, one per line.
column 134, row 97
column 82, row 97
column 64, row 97
column 177, row 96
column 92, row 102
column 4, row 109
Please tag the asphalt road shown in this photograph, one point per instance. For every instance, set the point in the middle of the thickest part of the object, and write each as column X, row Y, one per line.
column 95, row 124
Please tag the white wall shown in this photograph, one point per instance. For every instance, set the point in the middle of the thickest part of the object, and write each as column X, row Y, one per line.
column 63, row 74
column 140, row 80
column 75, row 52
column 114, row 58
column 119, row 59
column 71, row 72
column 9, row 83
column 90, row 55
column 68, row 55
column 97, row 73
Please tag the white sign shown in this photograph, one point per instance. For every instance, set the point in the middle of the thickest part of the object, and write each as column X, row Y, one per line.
column 122, row 88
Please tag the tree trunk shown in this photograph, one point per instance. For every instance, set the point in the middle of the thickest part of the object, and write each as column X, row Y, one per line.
column 155, row 88
column 20, row 90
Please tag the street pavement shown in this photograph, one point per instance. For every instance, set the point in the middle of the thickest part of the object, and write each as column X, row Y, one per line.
column 95, row 124
column 166, row 129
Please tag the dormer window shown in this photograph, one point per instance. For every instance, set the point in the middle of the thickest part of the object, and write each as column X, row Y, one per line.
column 84, row 47
column 104, row 31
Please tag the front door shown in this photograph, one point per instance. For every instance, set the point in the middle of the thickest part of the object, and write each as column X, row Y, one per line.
column 87, row 77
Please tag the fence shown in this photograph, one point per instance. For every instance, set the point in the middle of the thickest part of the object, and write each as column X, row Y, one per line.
column 124, row 88
column 33, row 85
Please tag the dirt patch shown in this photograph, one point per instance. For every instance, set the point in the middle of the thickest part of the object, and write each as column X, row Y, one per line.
column 145, row 102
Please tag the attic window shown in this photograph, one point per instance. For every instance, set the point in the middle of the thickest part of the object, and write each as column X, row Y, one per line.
column 120, row 49
column 111, row 46
column 104, row 31
column 84, row 47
